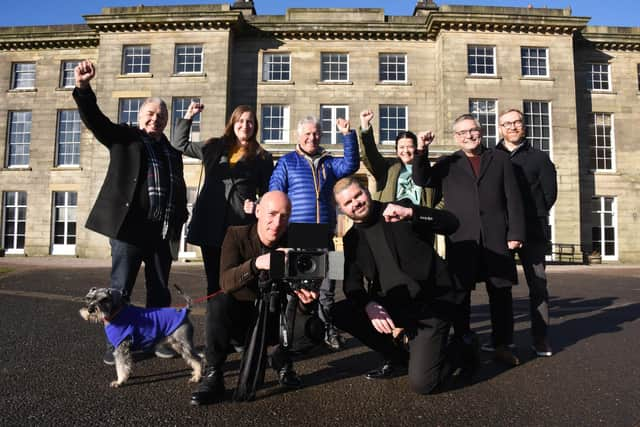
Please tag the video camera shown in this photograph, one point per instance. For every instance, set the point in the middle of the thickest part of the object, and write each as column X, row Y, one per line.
column 309, row 261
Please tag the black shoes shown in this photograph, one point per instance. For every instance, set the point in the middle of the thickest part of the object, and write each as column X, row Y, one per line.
column 108, row 357
column 541, row 347
column 210, row 389
column 288, row 378
column 164, row 352
column 332, row 339
column 387, row 370
column 464, row 352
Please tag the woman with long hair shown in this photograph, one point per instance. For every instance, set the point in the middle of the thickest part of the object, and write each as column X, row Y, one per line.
column 236, row 168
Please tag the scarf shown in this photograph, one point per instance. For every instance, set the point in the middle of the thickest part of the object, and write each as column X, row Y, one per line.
column 161, row 181
column 406, row 188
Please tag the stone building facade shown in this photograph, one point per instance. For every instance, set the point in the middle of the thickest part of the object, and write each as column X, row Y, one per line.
column 578, row 86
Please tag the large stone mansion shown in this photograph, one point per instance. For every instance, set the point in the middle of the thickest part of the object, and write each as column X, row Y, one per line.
column 578, row 85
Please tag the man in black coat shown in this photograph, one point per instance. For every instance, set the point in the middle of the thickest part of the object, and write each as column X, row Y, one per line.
column 479, row 187
column 141, row 206
column 536, row 177
column 412, row 297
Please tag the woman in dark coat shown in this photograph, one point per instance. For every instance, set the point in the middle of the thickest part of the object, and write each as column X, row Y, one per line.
column 236, row 169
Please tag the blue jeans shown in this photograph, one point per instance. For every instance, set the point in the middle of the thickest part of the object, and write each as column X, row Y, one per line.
column 125, row 264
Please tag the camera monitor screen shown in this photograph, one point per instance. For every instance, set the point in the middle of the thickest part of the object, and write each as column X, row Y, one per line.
column 308, row 236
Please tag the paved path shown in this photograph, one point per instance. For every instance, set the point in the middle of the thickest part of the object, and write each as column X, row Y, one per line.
column 51, row 372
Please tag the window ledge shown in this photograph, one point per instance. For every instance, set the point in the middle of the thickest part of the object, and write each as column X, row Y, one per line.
column 483, row 77
column 18, row 168
column 392, row 83
column 65, row 89
column 66, row 168
column 276, row 82
column 601, row 92
column 135, row 76
column 23, row 90
column 538, row 79
column 604, row 172
column 201, row 74
column 334, row 82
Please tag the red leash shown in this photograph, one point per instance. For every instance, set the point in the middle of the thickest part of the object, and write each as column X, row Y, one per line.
column 206, row 297
column 197, row 300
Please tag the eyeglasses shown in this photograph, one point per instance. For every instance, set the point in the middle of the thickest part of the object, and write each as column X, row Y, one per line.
column 472, row 131
column 514, row 124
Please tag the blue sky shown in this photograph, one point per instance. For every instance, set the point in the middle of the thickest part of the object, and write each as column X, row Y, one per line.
column 624, row 13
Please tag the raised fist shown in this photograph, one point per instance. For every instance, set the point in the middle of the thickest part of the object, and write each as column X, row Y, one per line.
column 343, row 125
column 194, row 109
column 83, row 73
column 425, row 139
column 365, row 119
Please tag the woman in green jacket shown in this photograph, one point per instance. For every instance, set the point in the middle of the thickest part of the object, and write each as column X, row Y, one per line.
column 393, row 176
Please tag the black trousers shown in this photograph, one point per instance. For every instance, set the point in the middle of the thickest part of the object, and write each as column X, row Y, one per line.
column 229, row 320
column 533, row 263
column 429, row 359
column 211, row 258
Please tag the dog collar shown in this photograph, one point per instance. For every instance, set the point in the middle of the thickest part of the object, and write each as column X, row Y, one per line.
column 108, row 319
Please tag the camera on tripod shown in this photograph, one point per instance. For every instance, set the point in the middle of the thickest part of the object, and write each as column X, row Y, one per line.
column 309, row 261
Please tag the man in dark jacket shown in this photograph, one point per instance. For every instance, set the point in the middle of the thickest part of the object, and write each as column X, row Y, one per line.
column 536, row 176
column 245, row 259
column 479, row 187
column 141, row 206
column 412, row 298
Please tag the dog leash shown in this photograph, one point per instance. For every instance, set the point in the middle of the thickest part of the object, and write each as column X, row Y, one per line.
column 190, row 301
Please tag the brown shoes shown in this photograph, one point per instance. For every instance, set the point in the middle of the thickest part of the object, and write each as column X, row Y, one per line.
column 504, row 354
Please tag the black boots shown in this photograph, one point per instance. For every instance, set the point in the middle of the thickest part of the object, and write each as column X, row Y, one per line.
column 210, row 389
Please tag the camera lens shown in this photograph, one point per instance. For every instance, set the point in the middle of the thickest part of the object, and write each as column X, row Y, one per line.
column 305, row 264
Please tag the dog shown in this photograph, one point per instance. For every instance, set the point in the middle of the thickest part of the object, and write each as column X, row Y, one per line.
column 131, row 328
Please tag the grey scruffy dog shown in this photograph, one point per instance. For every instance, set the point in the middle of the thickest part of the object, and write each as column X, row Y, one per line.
column 131, row 328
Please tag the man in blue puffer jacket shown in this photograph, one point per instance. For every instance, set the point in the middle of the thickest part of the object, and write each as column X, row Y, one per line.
column 307, row 175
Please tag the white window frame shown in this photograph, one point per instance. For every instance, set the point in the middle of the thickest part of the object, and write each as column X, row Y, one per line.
column 141, row 63
column 68, row 135
column 19, row 77
column 392, row 67
column 68, row 215
column 328, row 126
column 186, row 250
column 598, row 142
column 179, row 106
column 486, row 112
column 600, row 213
column 593, row 72
column 534, row 121
column 187, row 55
column 126, row 110
column 276, row 67
column 67, row 76
column 267, row 123
column 19, row 138
column 16, row 207
column 472, row 52
column 389, row 132
column 529, row 62
column 333, row 59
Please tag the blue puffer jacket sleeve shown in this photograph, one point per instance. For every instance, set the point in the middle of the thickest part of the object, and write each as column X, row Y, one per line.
column 350, row 163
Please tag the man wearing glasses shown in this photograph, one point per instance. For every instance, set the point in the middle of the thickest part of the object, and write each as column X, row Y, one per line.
column 536, row 177
column 479, row 186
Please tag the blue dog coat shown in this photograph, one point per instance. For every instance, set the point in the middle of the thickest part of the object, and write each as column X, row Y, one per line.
column 145, row 326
